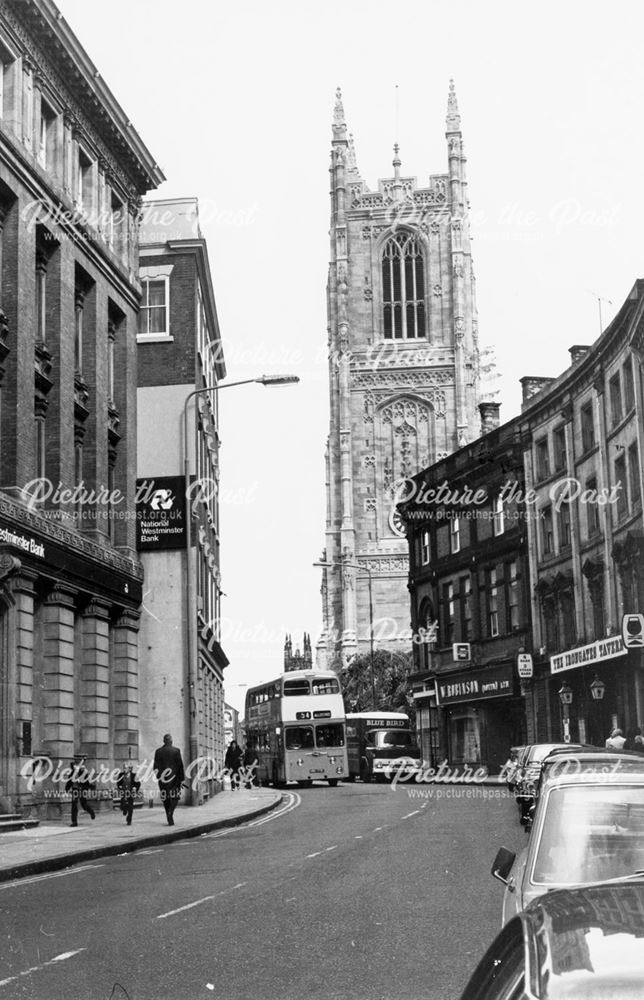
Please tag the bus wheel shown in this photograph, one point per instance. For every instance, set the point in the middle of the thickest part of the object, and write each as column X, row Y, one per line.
column 365, row 773
column 333, row 782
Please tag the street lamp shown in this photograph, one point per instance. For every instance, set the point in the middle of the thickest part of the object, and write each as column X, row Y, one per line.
column 191, row 623
column 345, row 562
column 597, row 689
column 565, row 697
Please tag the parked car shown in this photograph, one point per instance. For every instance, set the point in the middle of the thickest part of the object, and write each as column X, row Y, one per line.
column 563, row 758
column 571, row 944
column 529, row 772
column 588, row 827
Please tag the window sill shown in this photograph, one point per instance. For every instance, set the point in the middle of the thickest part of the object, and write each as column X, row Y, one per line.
column 154, row 338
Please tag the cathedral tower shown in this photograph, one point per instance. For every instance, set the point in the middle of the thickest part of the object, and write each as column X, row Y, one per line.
column 403, row 376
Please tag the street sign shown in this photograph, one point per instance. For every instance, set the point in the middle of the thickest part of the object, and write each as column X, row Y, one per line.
column 524, row 666
column 633, row 631
column 461, row 651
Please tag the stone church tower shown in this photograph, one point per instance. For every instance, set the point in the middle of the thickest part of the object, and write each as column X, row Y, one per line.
column 403, row 376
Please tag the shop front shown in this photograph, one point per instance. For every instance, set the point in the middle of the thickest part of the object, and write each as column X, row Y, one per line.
column 594, row 689
column 482, row 715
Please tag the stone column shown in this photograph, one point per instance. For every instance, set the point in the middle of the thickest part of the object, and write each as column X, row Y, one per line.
column 95, row 682
column 57, row 670
column 125, row 686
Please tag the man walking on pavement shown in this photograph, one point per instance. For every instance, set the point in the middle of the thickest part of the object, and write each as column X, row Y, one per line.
column 168, row 767
column 79, row 786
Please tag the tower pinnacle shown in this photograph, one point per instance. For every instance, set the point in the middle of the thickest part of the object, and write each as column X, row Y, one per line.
column 339, row 121
column 453, row 120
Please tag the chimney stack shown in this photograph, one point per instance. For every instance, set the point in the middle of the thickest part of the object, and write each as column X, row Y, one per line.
column 577, row 352
column 532, row 384
column 489, row 416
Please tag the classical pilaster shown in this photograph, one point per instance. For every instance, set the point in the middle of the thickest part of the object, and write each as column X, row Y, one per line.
column 57, row 673
column 95, row 681
column 125, row 685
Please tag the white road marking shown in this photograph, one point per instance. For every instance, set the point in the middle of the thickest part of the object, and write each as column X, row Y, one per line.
column 331, row 848
column 41, row 878
column 188, row 906
column 293, row 801
column 314, row 855
column 414, row 813
column 36, row 968
column 152, row 850
column 198, row 902
column 377, row 829
column 358, row 836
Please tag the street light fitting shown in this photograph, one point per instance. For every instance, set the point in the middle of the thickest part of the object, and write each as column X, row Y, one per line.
column 565, row 694
column 597, row 689
column 191, row 614
column 276, row 380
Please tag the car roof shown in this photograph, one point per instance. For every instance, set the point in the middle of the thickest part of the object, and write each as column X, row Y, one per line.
column 575, row 925
column 599, row 768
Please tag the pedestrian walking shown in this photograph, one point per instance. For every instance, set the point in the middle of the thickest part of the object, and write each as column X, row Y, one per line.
column 128, row 785
column 233, row 762
column 79, row 785
column 168, row 767
column 250, row 765
column 616, row 740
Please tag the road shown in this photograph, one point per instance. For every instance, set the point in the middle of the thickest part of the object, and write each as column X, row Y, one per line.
column 360, row 892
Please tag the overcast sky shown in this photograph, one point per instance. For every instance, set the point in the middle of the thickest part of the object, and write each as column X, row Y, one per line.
column 235, row 102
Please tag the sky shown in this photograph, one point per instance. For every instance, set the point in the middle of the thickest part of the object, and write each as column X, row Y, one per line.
column 235, row 102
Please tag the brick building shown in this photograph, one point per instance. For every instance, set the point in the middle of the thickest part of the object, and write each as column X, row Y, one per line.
column 403, row 375
column 179, row 353
column 470, row 602
column 72, row 173
column 583, row 446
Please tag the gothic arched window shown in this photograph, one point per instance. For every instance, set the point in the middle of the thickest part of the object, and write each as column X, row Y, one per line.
column 403, row 287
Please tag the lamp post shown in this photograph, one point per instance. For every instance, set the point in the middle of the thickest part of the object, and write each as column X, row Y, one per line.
column 565, row 697
column 335, row 565
column 191, row 622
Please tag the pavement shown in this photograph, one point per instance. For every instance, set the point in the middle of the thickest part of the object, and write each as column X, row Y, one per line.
column 51, row 846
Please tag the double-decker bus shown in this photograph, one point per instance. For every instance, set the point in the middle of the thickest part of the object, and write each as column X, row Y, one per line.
column 295, row 727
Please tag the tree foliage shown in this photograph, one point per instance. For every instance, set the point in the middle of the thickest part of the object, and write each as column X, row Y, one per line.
column 391, row 683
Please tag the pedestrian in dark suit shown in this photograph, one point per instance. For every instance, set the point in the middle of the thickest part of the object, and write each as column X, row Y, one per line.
column 233, row 762
column 128, row 785
column 79, row 786
column 168, row 767
column 250, row 764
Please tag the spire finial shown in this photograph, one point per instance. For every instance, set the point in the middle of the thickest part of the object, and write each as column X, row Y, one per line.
column 453, row 120
column 339, row 122
column 396, row 161
column 338, row 111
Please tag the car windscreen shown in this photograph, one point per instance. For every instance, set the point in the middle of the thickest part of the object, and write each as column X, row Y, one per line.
column 590, row 833
column 394, row 738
